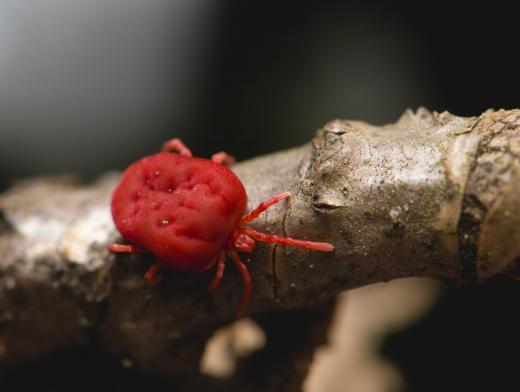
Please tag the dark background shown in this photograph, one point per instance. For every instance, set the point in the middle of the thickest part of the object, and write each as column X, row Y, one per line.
column 89, row 86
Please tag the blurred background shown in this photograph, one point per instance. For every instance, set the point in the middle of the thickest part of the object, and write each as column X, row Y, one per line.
column 91, row 85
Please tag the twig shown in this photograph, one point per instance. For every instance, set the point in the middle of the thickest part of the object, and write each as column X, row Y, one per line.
column 433, row 195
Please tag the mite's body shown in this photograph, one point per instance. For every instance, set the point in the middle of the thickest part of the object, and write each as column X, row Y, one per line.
column 189, row 212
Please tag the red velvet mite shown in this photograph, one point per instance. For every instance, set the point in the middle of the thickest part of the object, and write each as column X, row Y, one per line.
column 189, row 212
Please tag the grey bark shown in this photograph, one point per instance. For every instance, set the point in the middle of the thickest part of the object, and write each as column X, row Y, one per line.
column 432, row 195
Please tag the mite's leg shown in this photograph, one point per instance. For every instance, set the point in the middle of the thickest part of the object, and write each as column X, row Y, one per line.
column 246, row 279
column 150, row 277
column 274, row 239
column 219, row 273
column 125, row 248
column 243, row 243
column 223, row 157
column 176, row 145
column 264, row 206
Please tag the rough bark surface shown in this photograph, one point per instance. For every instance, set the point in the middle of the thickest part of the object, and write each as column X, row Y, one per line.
column 432, row 195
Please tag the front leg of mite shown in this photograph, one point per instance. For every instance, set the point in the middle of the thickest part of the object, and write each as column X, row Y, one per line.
column 242, row 242
column 274, row 239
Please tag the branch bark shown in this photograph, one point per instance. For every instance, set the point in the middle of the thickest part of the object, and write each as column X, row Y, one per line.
column 432, row 195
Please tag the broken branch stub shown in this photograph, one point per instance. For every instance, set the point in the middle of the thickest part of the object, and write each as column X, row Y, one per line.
column 432, row 195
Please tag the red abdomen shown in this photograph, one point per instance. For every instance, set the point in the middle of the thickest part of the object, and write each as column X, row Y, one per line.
column 181, row 209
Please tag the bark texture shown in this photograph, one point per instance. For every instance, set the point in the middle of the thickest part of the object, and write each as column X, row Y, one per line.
column 432, row 195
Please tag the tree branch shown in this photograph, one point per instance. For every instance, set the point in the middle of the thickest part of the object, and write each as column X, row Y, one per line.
column 432, row 195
